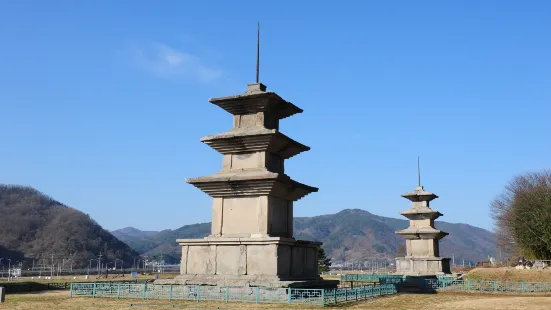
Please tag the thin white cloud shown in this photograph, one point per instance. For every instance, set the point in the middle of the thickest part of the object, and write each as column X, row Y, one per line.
column 165, row 62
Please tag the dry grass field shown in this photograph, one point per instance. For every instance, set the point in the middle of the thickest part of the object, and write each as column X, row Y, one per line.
column 61, row 301
column 509, row 274
column 92, row 278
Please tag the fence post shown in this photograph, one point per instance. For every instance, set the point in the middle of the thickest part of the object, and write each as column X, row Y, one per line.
column 94, row 290
column 345, row 294
column 289, row 295
column 119, row 290
column 523, row 286
column 198, row 292
column 170, row 293
column 335, row 296
column 257, row 293
column 227, row 294
column 495, row 285
column 144, row 290
column 323, row 297
column 71, row 290
column 468, row 285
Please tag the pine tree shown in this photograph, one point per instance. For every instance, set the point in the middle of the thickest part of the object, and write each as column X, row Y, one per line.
column 323, row 261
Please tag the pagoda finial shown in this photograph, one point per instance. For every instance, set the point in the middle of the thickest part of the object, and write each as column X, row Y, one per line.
column 258, row 53
column 418, row 173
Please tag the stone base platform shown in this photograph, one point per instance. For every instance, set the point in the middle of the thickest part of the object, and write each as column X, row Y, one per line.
column 249, row 281
column 263, row 261
column 422, row 266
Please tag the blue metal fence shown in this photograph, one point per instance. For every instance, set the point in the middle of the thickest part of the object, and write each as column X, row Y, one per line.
column 488, row 286
column 371, row 277
column 229, row 293
column 343, row 295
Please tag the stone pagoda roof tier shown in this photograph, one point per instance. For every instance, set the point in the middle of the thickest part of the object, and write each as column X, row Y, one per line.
column 421, row 213
column 419, row 194
column 255, row 140
column 423, row 232
column 256, row 99
column 255, row 182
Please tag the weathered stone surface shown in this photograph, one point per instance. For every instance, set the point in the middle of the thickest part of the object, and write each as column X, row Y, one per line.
column 231, row 260
column 249, row 261
column 183, row 261
column 201, row 259
column 251, row 182
column 254, row 101
column 244, row 281
column 259, row 140
column 423, row 266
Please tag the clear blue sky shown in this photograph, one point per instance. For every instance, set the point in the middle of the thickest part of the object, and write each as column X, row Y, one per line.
column 103, row 103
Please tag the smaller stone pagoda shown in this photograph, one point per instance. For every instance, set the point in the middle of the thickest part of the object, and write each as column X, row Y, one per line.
column 422, row 238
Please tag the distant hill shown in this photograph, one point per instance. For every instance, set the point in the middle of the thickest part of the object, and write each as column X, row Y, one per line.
column 350, row 235
column 153, row 244
column 35, row 226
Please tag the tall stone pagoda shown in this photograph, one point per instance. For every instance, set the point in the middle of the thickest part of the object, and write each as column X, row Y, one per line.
column 251, row 241
column 422, row 238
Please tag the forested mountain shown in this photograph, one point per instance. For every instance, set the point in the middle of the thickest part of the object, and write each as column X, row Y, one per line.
column 35, row 226
column 350, row 235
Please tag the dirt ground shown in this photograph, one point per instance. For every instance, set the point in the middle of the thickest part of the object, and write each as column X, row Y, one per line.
column 447, row 301
column 510, row 274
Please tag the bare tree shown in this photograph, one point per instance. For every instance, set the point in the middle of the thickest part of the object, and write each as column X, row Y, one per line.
column 522, row 215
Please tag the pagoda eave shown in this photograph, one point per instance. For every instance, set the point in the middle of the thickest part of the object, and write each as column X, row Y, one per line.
column 422, row 233
column 419, row 194
column 415, row 197
column 267, row 140
column 257, row 102
column 252, row 184
column 421, row 214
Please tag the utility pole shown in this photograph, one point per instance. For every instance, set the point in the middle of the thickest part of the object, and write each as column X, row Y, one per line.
column 99, row 262
column 52, row 269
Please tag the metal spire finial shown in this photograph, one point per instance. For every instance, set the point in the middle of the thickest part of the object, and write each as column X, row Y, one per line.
column 258, row 53
column 418, row 172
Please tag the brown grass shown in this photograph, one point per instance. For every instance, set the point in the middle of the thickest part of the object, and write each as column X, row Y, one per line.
column 91, row 278
column 62, row 301
column 446, row 301
column 509, row 274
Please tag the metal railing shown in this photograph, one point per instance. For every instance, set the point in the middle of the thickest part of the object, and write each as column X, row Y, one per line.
column 359, row 293
column 227, row 294
column 368, row 277
column 488, row 286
